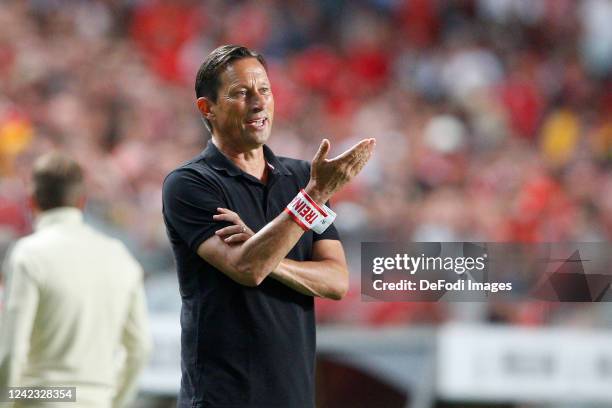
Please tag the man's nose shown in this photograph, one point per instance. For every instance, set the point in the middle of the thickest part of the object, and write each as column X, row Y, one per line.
column 258, row 101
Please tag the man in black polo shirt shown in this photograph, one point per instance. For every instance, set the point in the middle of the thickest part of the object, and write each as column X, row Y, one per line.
column 249, row 262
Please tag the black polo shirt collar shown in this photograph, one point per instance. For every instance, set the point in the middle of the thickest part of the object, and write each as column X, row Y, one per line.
column 218, row 161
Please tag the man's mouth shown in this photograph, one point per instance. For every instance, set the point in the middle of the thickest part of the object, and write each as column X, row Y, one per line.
column 257, row 123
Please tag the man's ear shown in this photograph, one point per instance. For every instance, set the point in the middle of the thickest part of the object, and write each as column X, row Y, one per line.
column 205, row 107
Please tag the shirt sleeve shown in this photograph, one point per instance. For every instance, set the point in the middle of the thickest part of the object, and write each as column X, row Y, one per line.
column 136, row 338
column 18, row 314
column 189, row 203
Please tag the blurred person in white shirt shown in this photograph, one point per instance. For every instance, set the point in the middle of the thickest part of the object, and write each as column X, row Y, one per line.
column 74, row 312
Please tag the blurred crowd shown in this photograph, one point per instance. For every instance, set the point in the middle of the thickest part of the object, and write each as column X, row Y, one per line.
column 493, row 117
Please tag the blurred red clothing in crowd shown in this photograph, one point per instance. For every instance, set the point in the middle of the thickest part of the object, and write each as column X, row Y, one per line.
column 162, row 28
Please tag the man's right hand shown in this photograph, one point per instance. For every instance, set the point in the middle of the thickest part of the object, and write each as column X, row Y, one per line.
column 328, row 175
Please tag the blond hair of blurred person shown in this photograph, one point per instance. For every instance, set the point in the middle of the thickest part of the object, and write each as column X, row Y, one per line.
column 74, row 299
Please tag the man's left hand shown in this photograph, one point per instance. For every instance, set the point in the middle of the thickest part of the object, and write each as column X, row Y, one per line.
column 232, row 234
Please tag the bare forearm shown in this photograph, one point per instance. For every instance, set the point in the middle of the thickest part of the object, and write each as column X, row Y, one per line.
column 263, row 252
column 327, row 279
column 249, row 258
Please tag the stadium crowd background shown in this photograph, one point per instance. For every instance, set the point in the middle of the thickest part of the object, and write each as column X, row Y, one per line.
column 493, row 118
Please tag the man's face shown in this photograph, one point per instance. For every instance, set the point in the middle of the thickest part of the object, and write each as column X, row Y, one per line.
column 244, row 109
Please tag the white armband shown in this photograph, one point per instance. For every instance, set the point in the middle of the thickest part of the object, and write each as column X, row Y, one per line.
column 308, row 214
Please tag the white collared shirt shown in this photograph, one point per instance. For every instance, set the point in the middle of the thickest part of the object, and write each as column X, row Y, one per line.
column 73, row 297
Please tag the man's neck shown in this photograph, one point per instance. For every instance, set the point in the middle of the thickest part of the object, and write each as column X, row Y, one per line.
column 250, row 161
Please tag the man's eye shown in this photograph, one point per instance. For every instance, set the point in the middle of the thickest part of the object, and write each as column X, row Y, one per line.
column 265, row 90
column 241, row 93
